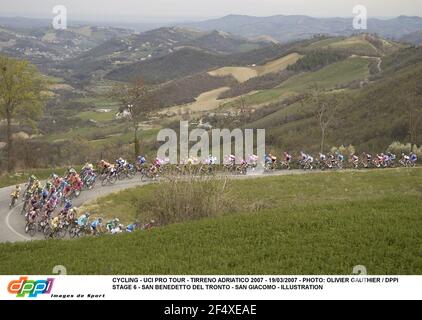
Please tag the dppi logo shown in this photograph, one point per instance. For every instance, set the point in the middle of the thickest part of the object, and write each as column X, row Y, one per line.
column 32, row 288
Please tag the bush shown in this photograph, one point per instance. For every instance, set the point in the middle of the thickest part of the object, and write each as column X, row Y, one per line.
column 189, row 198
column 399, row 148
column 344, row 150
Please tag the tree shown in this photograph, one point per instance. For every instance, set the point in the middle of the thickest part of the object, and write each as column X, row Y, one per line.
column 21, row 97
column 136, row 103
column 413, row 107
column 325, row 105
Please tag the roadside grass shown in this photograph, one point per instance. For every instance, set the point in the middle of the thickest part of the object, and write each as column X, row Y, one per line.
column 250, row 195
column 321, row 223
column 383, row 235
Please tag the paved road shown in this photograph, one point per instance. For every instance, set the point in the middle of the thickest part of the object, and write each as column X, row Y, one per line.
column 12, row 223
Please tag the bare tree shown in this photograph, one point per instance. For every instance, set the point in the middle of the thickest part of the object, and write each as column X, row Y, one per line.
column 325, row 106
column 137, row 101
column 243, row 110
column 413, row 108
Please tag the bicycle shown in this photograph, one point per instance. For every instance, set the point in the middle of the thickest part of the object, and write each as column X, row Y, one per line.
column 59, row 232
column 109, row 178
column 149, row 174
column 128, row 172
column 77, row 231
column 13, row 201
column 31, row 228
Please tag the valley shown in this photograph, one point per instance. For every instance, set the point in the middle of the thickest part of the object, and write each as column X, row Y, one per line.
column 212, row 77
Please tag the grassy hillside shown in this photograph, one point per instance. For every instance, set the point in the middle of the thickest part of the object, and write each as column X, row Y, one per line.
column 186, row 61
column 311, row 224
column 372, row 117
column 183, row 62
column 357, row 45
column 332, row 76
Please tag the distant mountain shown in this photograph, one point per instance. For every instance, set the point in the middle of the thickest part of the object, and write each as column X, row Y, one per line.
column 24, row 23
column 29, row 23
column 43, row 45
column 289, row 28
column 414, row 38
column 183, row 62
column 162, row 49
column 222, row 42
column 189, row 60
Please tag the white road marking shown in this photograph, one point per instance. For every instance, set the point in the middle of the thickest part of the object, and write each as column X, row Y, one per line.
column 10, row 226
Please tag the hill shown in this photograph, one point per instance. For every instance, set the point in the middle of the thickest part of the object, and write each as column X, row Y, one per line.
column 414, row 38
column 221, row 42
column 372, row 117
column 194, row 83
column 302, row 224
column 123, row 57
column 289, row 28
column 188, row 60
column 178, row 64
column 48, row 48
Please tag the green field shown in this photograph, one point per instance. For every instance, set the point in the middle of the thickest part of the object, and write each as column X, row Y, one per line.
column 356, row 45
column 97, row 116
column 97, row 101
column 332, row 76
column 322, row 223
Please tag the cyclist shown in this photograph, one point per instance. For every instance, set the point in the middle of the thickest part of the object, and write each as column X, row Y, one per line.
column 120, row 163
column 132, row 227
column 232, row 160
column 83, row 220
column 96, row 225
column 32, row 179
column 71, row 215
column 104, row 166
column 149, row 225
column 413, row 157
column 55, row 222
column 211, row 160
column 31, row 216
column 16, row 193
column 140, row 161
column 112, row 224
column 310, row 161
column 354, row 159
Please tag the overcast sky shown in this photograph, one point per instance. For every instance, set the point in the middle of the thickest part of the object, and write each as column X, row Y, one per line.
column 198, row 9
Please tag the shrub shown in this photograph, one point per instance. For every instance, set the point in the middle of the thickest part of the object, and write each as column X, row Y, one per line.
column 399, row 148
column 189, row 198
column 344, row 150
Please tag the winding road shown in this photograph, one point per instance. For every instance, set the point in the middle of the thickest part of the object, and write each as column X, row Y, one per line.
column 12, row 223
